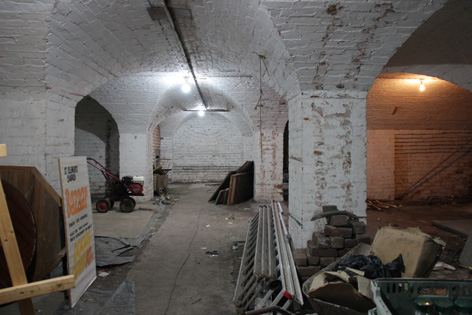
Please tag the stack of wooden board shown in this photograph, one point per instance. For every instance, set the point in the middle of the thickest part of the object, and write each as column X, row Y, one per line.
column 237, row 187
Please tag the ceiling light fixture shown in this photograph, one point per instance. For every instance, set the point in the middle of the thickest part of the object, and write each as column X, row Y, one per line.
column 422, row 87
column 186, row 87
column 201, row 113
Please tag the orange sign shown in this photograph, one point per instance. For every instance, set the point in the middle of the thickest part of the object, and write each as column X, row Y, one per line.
column 77, row 208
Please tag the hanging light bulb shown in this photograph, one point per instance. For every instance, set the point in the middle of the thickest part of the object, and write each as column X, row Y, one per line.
column 186, row 87
column 422, row 87
column 201, row 113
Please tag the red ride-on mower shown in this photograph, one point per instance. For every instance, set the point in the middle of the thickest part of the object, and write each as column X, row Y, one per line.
column 120, row 190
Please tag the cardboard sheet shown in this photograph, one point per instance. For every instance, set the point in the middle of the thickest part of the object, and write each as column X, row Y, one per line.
column 333, row 287
column 419, row 250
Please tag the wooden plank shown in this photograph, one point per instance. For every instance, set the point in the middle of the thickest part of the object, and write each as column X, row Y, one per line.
column 45, row 204
column 219, row 199
column 9, row 243
column 244, row 187
column 225, row 196
column 224, row 184
column 12, row 253
column 248, row 166
column 232, row 187
column 33, row 289
column 3, row 150
column 16, row 179
column 42, row 181
column 40, row 213
column 27, row 183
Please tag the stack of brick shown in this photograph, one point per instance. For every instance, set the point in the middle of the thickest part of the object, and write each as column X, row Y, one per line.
column 341, row 234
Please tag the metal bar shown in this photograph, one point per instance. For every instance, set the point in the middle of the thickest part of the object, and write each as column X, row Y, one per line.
column 278, row 298
column 269, row 309
column 286, row 270
column 265, row 244
column 258, row 252
column 256, row 293
column 266, row 297
column 272, row 264
column 293, row 269
column 184, row 49
column 251, row 294
column 243, row 259
column 279, row 241
column 248, row 288
column 285, row 306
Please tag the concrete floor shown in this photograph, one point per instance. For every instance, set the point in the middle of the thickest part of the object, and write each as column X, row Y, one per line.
column 188, row 265
column 175, row 275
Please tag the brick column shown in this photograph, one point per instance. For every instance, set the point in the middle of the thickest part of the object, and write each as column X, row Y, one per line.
column 268, row 173
column 327, row 158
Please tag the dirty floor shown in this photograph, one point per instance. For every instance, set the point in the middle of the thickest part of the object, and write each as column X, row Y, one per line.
column 190, row 261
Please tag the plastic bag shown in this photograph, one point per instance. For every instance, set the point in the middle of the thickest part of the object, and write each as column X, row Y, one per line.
column 372, row 266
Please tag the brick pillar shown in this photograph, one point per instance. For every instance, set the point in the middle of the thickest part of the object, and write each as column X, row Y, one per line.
column 268, row 175
column 327, row 158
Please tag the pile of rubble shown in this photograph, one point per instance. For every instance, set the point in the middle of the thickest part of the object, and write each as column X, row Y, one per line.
column 343, row 232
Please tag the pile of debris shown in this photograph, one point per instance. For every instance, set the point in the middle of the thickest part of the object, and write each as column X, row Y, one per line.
column 343, row 232
column 380, row 205
column 348, row 285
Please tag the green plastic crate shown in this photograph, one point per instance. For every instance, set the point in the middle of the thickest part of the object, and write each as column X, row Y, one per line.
column 397, row 296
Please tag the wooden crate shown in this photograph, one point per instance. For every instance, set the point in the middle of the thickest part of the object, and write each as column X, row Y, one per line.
column 45, row 204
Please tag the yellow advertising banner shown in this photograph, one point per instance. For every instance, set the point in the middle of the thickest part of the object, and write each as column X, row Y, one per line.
column 78, row 222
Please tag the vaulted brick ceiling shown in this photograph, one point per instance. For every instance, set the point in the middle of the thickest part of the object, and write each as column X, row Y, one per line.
column 301, row 42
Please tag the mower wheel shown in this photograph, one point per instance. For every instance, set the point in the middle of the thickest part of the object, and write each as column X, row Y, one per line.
column 103, row 205
column 112, row 202
column 127, row 204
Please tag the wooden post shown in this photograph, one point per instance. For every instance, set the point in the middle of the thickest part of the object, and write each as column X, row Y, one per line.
column 3, row 150
column 10, row 246
column 12, row 253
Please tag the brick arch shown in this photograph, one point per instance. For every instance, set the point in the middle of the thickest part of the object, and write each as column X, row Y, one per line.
column 173, row 100
column 453, row 73
column 345, row 45
column 96, row 136
column 203, row 148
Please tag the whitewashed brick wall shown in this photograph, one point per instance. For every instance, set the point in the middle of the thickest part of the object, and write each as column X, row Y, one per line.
column 205, row 149
column 269, row 171
column 23, row 30
column 96, row 136
column 328, row 158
